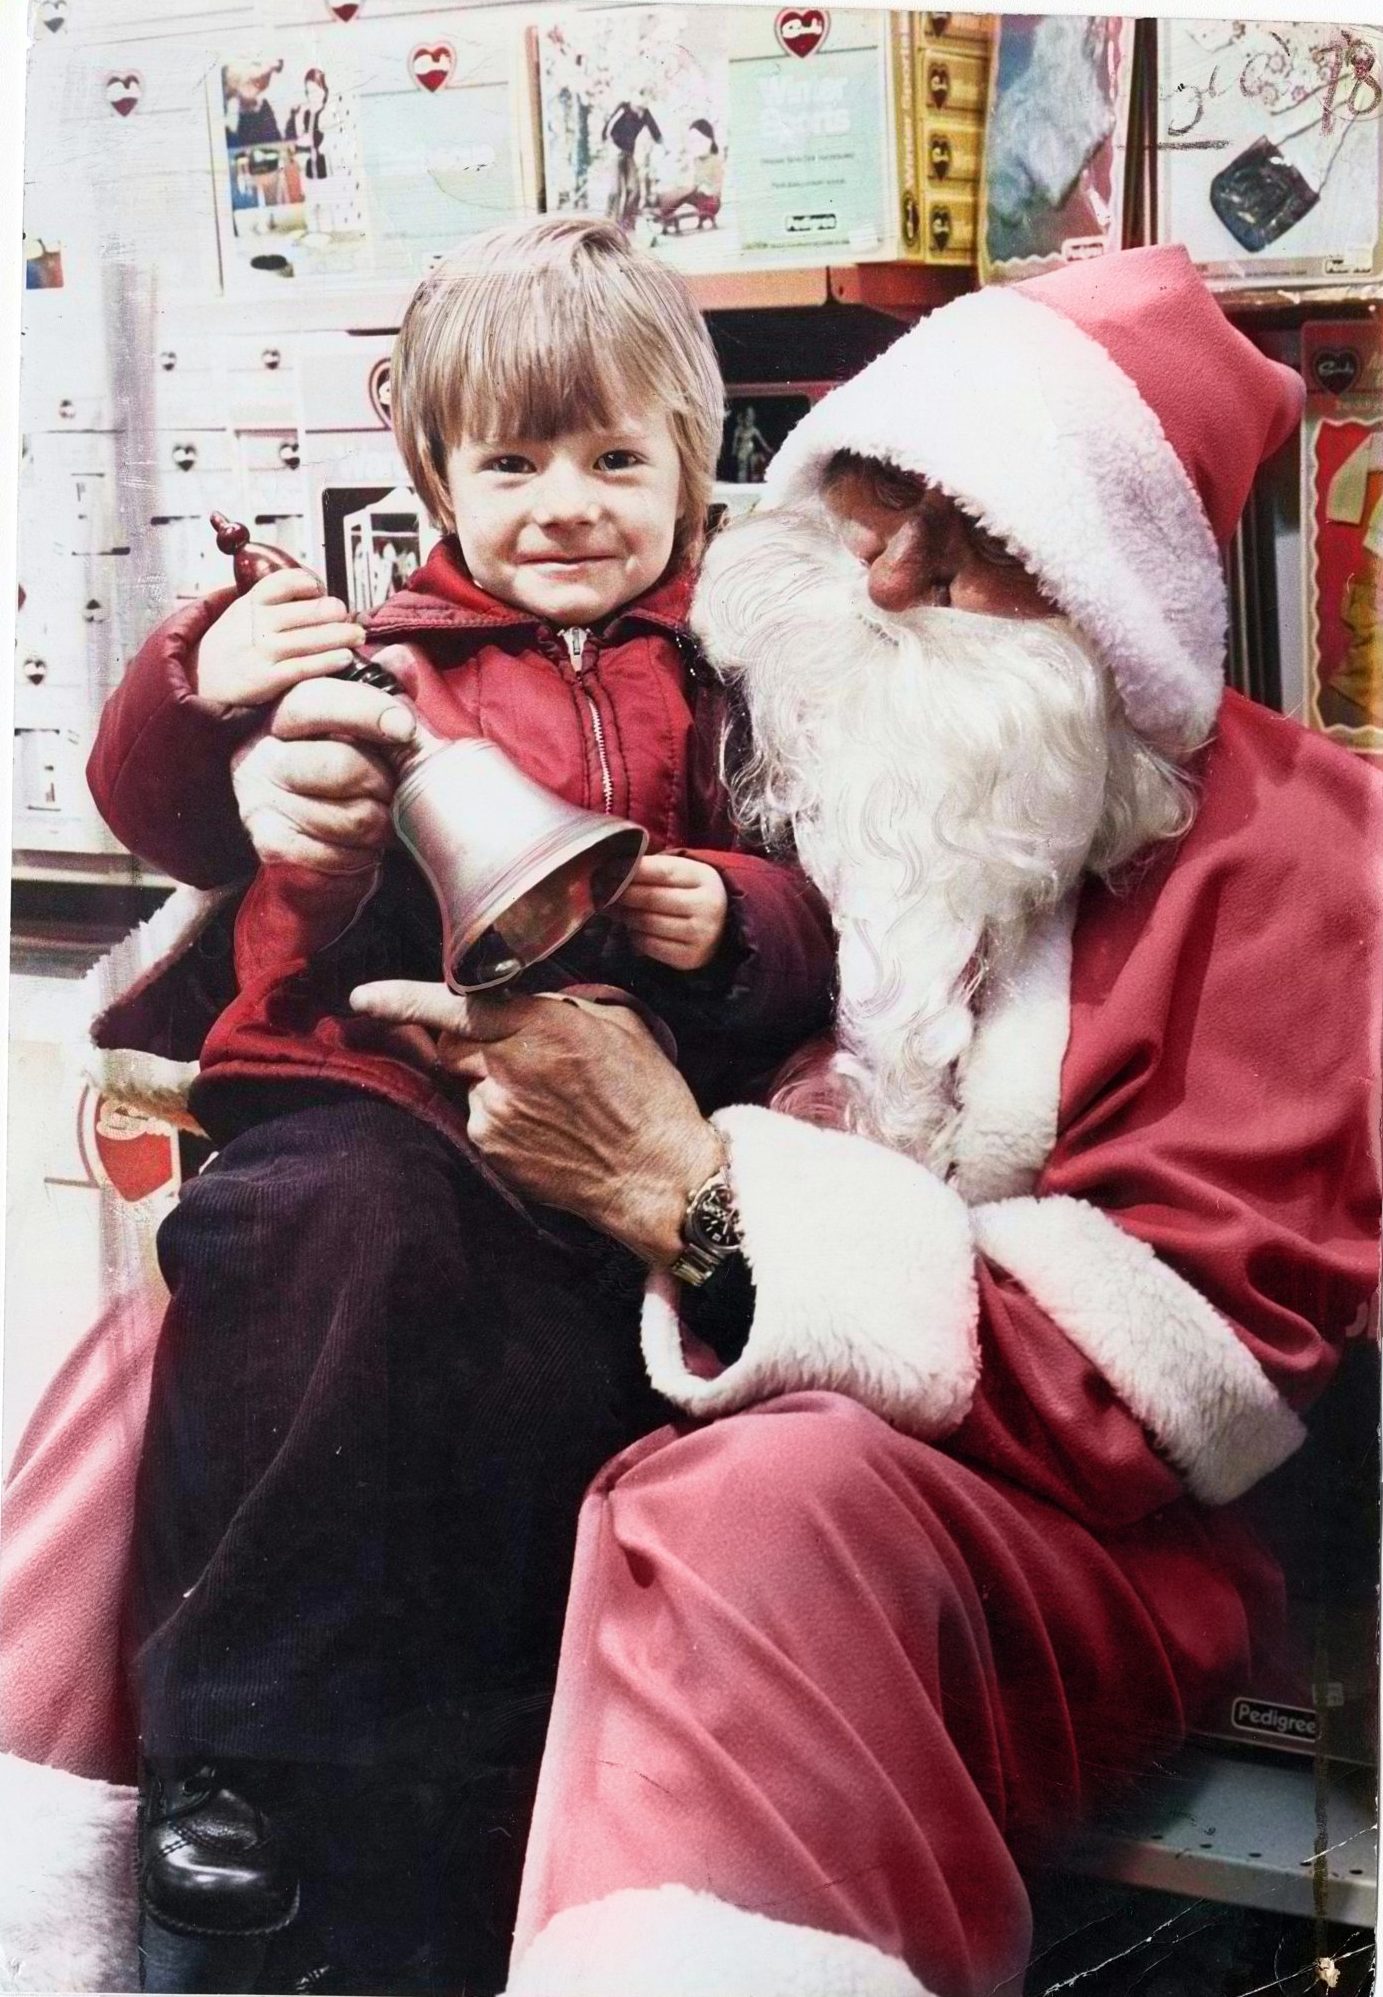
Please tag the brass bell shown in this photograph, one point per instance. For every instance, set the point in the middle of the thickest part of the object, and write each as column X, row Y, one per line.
column 516, row 870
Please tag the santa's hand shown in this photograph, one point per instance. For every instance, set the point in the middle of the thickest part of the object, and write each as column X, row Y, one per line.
column 315, row 786
column 573, row 1103
column 675, row 910
column 283, row 630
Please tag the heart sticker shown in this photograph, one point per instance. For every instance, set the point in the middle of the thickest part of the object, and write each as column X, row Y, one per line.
column 124, row 92
column 431, row 64
column 1336, row 369
column 801, row 30
column 379, row 391
column 184, row 456
column 344, row 10
column 53, row 14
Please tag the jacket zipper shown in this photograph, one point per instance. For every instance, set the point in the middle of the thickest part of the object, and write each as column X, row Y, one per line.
column 574, row 637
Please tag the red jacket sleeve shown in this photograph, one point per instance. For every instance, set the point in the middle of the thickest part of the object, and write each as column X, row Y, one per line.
column 160, row 768
column 1155, row 1312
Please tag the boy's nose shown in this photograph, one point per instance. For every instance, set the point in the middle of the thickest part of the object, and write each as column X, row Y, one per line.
column 564, row 494
column 916, row 564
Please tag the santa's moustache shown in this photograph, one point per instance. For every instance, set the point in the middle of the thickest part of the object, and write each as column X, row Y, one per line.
column 945, row 777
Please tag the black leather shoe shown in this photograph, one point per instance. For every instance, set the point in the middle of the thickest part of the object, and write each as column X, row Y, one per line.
column 212, row 1859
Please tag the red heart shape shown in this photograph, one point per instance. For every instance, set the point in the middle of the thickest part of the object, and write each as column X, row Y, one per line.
column 124, row 92
column 123, row 1149
column 1336, row 369
column 344, row 10
column 800, row 30
column 431, row 66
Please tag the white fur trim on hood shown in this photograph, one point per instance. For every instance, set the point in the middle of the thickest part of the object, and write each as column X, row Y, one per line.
column 669, row 1941
column 67, row 1882
column 1169, row 1355
column 863, row 1275
column 1029, row 423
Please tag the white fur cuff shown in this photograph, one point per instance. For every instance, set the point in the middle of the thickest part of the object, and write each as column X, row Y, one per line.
column 668, row 1941
column 864, row 1280
column 1174, row 1361
column 67, row 1882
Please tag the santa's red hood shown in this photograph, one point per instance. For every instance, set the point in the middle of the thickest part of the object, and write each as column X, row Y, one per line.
column 441, row 596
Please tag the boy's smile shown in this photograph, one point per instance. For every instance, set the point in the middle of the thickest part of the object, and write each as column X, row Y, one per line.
column 572, row 528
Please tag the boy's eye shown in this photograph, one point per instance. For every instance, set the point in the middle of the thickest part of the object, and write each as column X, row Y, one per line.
column 618, row 461
column 508, row 461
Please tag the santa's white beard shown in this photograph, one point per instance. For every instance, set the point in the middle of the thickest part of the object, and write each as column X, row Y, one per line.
column 943, row 776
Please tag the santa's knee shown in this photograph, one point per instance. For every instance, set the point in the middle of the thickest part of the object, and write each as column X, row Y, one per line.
column 809, row 1490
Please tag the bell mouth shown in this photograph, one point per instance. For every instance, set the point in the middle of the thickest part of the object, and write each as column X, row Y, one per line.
column 537, row 914
column 516, row 871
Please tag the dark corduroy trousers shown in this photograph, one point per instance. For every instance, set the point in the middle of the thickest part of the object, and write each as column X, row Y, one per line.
column 380, row 1392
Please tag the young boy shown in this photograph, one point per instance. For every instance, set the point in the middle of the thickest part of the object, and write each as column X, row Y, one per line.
column 382, row 1385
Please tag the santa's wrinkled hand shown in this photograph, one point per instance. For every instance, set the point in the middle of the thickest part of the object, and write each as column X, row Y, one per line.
column 314, row 787
column 573, row 1104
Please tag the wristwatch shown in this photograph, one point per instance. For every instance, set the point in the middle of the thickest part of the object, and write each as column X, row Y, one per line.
column 710, row 1231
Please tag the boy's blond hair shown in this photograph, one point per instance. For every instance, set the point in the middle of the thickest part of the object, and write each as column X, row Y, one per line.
column 550, row 326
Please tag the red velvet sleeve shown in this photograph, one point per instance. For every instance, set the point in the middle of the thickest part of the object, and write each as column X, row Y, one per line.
column 160, row 768
column 1220, row 1105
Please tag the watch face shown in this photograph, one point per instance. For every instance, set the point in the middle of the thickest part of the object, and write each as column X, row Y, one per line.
column 714, row 1218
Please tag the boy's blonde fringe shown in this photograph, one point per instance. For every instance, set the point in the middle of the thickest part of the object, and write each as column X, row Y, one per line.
column 543, row 327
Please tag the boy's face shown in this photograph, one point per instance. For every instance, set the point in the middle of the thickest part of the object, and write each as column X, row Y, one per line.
column 573, row 528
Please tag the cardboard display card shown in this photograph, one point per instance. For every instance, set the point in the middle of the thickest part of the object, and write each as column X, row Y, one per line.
column 1269, row 139
column 1342, row 530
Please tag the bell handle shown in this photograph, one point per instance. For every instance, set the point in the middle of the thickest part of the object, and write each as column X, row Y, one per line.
column 251, row 560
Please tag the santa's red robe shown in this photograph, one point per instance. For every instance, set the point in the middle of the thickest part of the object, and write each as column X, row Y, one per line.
column 963, row 1552
column 959, row 1550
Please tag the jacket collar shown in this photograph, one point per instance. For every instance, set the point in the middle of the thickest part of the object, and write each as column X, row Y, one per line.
column 440, row 596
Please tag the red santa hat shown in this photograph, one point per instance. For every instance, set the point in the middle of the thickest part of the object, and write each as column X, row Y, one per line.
column 1106, row 421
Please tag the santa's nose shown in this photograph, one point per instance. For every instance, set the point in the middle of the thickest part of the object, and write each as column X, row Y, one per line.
column 915, row 565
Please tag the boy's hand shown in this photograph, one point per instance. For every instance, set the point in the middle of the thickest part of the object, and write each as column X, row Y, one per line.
column 283, row 630
column 314, row 787
column 675, row 910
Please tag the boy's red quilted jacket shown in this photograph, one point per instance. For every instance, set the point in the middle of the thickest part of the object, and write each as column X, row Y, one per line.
column 633, row 731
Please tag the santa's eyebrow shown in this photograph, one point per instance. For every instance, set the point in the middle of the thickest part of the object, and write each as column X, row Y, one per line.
column 847, row 464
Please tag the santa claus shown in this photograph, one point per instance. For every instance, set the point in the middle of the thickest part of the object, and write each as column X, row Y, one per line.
column 985, row 1324
column 1018, row 1286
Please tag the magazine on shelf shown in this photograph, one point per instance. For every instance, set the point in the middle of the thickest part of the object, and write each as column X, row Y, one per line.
column 720, row 135
column 1056, row 142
